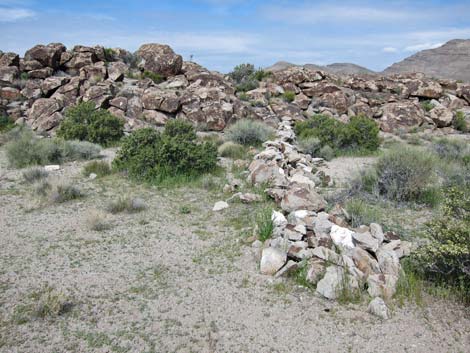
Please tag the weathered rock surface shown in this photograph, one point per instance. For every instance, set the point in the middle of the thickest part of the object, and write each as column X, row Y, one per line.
column 160, row 59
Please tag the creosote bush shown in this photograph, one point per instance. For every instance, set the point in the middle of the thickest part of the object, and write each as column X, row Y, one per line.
column 149, row 155
column 249, row 132
column 27, row 149
column 446, row 258
column 85, row 123
column 360, row 134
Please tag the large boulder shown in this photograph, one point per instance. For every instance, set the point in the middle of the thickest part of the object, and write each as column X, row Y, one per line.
column 302, row 198
column 44, row 114
column 424, row 89
column 164, row 100
column 8, row 74
column 51, row 84
column 10, row 59
column 48, row 55
column 79, row 57
column 272, row 259
column 160, row 59
column 334, row 281
column 463, row 91
column 441, row 116
column 403, row 114
column 117, row 70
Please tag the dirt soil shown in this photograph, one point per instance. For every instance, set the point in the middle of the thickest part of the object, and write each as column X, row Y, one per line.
column 164, row 280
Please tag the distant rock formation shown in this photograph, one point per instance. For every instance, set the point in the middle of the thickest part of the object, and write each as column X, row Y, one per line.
column 450, row 61
column 336, row 68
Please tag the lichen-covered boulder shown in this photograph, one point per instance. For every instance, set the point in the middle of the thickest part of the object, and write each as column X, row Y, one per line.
column 160, row 59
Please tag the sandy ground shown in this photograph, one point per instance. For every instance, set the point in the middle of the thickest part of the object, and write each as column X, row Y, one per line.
column 163, row 281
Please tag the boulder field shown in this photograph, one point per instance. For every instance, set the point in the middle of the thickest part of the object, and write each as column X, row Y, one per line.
column 154, row 84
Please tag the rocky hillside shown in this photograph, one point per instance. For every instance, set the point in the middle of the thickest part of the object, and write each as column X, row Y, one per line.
column 450, row 61
column 153, row 85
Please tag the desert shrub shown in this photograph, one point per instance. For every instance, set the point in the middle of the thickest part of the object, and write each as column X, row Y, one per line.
column 85, row 123
column 427, row 105
column 446, row 258
column 246, row 78
column 126, row 204
column 327, row 153
column 361, row 133
column 310, row 145
column 33, row 175
column 243, row 97
column 460, row 122
column 404, row 173
column 149, row 155
column 288, row 96
column 27, row 149
column 97, row 221
column 42, row 188
column 100, row 168
column 264, row 224
column 249, row 132
column 155, row 77
column 6, row 123
column 64, row 192
column 232, row 150
column 109, row 54
column 451, row 149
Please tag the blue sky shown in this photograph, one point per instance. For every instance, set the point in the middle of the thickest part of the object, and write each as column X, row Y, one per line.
column 223, row 33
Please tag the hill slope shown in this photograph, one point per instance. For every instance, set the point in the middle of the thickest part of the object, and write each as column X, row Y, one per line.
column 451, row 61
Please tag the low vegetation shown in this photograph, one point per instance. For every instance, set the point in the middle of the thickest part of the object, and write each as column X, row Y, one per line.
column 264, row 224
column 126, row 204
column 6, row 123
column 246, row 77
column 86, row 123
column 361, row 134
column 249, row 132
column 97, row 221
column 100, row 168
column 232, row 150
column 63, row 192
column 25, row 149
column 460, row 122
column 35, row 174
column 151, row 156
column 155, row 77
column 288, row 96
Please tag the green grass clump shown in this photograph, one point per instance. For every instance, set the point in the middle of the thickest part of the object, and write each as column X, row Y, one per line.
column 288, row 96
column 27, row 149
column 247, row 78
column 360, row 134
column 151, row 156
column 232, row 150
column 460, row 123
column 264, row 224
column 66, row 192
column 427, row 105
column 249, row 132
column 155, row 77
column 86, row 123
column 100, row 168
column 33, row 175
column 361, row 212
column 126, row 204
column 6, row 123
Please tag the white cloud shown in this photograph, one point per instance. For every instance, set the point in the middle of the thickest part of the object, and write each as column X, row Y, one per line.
column 15, row 14
column 312, row 14
column 389, row 50
column 422, row 46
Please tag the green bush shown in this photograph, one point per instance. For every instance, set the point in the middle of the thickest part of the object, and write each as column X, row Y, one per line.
column 246, row 78
column 66, row 192
column 6, row 123
column 155, row 77
column 460, row 123
column 27, row 149
column 149, row 155
column 85, row 123
column 404, row 173
column 310, row 145
column 249, row 132
column 327, row 153
column 427, row 105
column 288, row 96
column 100, row 168
column 232, row 150
column 446, row 258
column 361, row 133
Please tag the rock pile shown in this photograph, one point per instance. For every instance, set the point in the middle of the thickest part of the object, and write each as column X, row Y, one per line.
column 38, row 88
column 336, row 257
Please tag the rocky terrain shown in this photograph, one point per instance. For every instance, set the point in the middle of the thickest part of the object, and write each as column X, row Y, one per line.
column 335, row 68
column 154, row 84
column 449, row 61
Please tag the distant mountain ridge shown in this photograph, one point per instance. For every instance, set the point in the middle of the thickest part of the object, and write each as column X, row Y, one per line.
column 336, row 68
column 449, row 61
